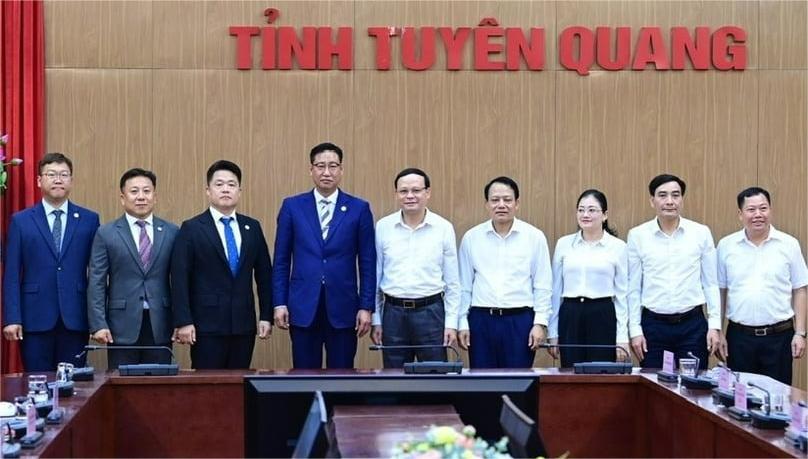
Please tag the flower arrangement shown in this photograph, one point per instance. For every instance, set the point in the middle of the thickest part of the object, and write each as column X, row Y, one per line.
column 446, row 442
column 4, row 163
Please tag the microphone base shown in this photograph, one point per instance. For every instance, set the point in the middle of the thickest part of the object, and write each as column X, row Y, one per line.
column 603, row 368
column 762, row 420
column 66, row 389
column 83, row 374
column 31, row 440
column 664, row 376
column 727, row 398
column 149, row 369
column 11, row 449
column 739, row 415
column 441, row 368
column 698, row 383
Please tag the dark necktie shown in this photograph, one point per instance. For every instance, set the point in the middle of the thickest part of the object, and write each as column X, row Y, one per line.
column 145, row 244
column 230, row 241
column 57, row 230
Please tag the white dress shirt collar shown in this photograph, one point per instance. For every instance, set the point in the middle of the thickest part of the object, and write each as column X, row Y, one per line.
column 133, row 220
column 429, row 219
column 217, row 216
column 49, row 208
column 516, row 227
column 331, row 199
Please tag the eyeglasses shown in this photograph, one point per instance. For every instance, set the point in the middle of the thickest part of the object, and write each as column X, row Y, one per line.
column 589, row 211
column 60, row 175
column 414, row 191
column 321, row 167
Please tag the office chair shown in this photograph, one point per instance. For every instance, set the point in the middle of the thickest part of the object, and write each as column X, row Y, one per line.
column 523, row 435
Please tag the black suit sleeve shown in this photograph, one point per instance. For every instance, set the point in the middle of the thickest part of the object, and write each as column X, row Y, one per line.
column 182, row 264
column 263, row 277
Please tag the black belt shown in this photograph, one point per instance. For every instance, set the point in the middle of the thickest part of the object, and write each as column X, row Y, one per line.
column 673, row 318
column 502, row 311
column 585, row 299
column 410, row 303
column 764, row 330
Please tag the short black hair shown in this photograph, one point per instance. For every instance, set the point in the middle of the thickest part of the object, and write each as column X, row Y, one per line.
column 410, row 171
column 752, row 191
column 661, row 179
column 325, row 146
column 224, row 165
column 507, row 181
column 54, row 158
column 138, row 172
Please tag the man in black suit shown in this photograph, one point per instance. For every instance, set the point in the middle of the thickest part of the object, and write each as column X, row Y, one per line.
column 216, row 256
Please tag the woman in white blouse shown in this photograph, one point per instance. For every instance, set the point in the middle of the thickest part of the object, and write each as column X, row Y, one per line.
column 590, row 281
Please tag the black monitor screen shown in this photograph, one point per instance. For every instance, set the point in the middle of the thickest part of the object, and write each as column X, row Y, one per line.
column 275, row 406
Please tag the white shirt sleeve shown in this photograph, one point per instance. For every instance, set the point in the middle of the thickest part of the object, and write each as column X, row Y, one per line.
column 466, row 281
column 542, row 283
column 451, row 277
column 377, row 315
column 709, row 281
column 621, row 296
column 558, row 289
column 634, row 295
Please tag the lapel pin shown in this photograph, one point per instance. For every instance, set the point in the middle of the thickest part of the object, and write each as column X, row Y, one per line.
column 159, row 228
column 75, row 215
column 246, row 227
column 343, row 208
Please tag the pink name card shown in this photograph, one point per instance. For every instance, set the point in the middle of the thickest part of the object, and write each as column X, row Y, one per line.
column 740, row 397
column 667, row 361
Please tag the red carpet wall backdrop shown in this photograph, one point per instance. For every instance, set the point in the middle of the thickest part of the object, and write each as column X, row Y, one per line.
column 562, row 96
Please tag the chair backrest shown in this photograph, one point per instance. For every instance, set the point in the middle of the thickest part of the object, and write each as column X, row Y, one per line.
column 312, row 441
column 522, row 432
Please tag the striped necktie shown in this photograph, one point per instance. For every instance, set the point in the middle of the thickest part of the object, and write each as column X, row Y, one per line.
column 325, row 216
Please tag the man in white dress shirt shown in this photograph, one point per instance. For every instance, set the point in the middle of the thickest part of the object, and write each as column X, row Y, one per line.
column 672, row 274
column 506, row 284
column 418, row 286
column 763, row 278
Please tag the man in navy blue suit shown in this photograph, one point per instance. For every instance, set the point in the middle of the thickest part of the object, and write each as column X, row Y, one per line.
column 217, row 254
column 323, row 235
column 45, row 279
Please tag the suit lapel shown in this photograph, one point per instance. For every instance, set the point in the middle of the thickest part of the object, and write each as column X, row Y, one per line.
column 41, row 222
column 313, row 216
column 122, row 228
column 246, row 240
column 159, row 236
column 340, row 209
column 209, row 228
column 71, row 222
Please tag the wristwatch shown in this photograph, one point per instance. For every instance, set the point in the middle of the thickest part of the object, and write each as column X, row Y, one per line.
column 802, row 333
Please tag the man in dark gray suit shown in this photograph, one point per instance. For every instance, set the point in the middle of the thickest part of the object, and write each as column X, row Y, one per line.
column 128, row 296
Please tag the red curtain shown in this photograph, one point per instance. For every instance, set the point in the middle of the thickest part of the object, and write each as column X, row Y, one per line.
column 22, row 98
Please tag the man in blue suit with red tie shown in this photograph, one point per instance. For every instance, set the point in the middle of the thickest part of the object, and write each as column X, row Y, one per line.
column 45, row 278
column 323, row 236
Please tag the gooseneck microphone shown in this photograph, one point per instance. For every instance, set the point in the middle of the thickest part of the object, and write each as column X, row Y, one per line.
column 610, row 368
column 140, row 369
column 427, row 367
column 766, row 419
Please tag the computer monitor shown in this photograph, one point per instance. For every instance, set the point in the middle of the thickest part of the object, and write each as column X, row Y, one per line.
column 276, row 406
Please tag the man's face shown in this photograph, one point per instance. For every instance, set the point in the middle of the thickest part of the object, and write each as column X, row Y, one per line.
column 138, row 197
column 755, row 214
column 326, row 172
column 502, row 204
column 668, row 200
column 55, row 181
column 224, row 191
column 412, row 194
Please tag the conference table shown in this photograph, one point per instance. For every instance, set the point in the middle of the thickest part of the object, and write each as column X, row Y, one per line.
column 201, row 414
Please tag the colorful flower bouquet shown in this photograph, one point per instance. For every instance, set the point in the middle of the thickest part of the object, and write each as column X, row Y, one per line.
column 446, row 442
column 4, row 163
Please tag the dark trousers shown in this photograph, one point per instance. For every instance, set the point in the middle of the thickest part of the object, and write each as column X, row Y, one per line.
column 222, row 351
column 689, row 335
column 42, row 351
column 413, row 326
column 500, row 341
column 308, row 342
column 592, row 321
column 766, row 355
column 118, row 357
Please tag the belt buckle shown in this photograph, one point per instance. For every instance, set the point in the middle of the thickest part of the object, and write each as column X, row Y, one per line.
column 495, row 312
column 408, row 304
column 761, row 331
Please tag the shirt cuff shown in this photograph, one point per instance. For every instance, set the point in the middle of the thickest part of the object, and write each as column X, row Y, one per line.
column 376, row 319
column 450, row 322
column 463, row 323
column 714, row 323
column 634, row 331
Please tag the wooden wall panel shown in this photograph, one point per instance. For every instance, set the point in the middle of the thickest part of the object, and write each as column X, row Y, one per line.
column 139, row 83
column 783, row 35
